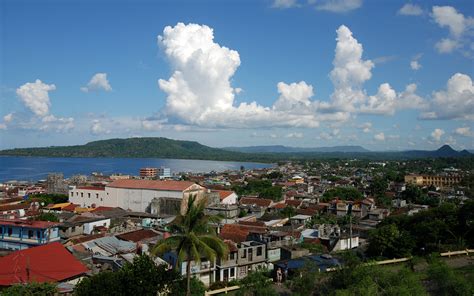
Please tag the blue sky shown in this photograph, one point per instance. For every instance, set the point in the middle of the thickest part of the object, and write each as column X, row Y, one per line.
column 396, row 75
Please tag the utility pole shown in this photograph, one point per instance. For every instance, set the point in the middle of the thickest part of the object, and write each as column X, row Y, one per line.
column 349, row 212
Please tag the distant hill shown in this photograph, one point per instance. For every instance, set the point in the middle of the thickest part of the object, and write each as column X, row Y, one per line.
column 444, row 151
column 287, row 149
column 133, row 147
column 168, row 148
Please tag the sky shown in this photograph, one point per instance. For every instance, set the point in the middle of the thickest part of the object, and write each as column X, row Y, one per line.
column 385, row 75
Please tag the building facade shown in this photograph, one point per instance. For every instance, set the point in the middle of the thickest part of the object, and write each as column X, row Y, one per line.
column 442, row 181
column 18, row 234
column 151, row 196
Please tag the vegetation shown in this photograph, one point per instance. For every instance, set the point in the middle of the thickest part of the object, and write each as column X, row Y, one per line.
column 343, row 193
column 257, row 283
column 446, row 227
column 31, row 289
column 50, row 198
column 142, row 277
column 167, row 148
column 372, row 280
column 447, row 282
column 193, row 237
column 262, row 188
column 51, row 217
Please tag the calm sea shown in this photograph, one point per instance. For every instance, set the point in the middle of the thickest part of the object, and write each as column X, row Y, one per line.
column 37, row 168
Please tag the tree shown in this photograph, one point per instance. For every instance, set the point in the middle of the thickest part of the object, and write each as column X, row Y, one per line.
column 304, row 281
column 289, row 212
column 343, row 193
column 378, row 186
column 447, row 281
column 372, row 280
column 388, row 241
column 256, row 283
column 31, row 289
column 47, row 217
column 142, row 277
column 193, row 237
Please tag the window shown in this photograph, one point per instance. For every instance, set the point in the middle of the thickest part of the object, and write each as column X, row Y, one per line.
column 259, row 251
column 72, row 194
column 82, row 194
column 77, row 193
column 101, row 199
column 232, row 272
column 10, row 231
column 73, row 229
column 30, row 234
column 97, row 195
column 244, row 255
column 232, row 256
column 89, row 195
column 38, row 234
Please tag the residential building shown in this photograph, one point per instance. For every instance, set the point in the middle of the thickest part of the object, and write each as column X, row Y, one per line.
column 148, row 173
column 164, row 173
column 18, row 234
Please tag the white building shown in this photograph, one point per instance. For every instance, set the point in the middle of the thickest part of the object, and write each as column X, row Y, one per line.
column 152, row 196
column 227, row 197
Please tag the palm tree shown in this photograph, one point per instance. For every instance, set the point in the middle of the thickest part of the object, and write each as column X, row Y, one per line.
column 193, row 237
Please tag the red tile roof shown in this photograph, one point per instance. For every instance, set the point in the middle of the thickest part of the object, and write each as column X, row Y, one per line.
column 48, row 263
column 234, row 233
column 138, row 235
column 223, row 194
column 151, row 184
column 262, row 202
column 293, row 202
column 103, row 209
column 70, row 208
column 279, row 206
column 14, row 207
column 28, row 223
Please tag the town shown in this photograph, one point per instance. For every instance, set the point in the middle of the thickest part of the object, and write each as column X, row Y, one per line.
column 290, row 228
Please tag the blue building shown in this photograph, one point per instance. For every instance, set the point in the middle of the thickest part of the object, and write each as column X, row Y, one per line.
column 16, row 234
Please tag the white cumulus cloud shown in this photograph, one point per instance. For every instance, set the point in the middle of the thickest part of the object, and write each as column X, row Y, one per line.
column 35, row 96
column 338, row 6
column 455, row 102
column 295, row 135
column 463, row 131
column 379, row 137
column 98, row 82
column 437, row 134
column 284, row 3
column 458, row 25
column 8, row 118
column 410, row 9
column 200, row 93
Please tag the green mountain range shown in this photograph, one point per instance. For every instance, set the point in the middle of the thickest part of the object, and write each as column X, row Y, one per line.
column 168, row 148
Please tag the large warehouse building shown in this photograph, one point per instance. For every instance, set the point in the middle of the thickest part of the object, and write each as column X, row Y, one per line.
column 151, row 196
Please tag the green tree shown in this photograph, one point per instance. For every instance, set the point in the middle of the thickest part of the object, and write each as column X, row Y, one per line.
column 256, row 283
column 31, row 289
column 378, row 186
column 303, row 283
column 343, row 193
column 47, row 217
column 388, row 241
column 193, row 237
column 447, row 281
column 142, row 277
column 289, row 212
column 373, row 281
column 104, row 283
